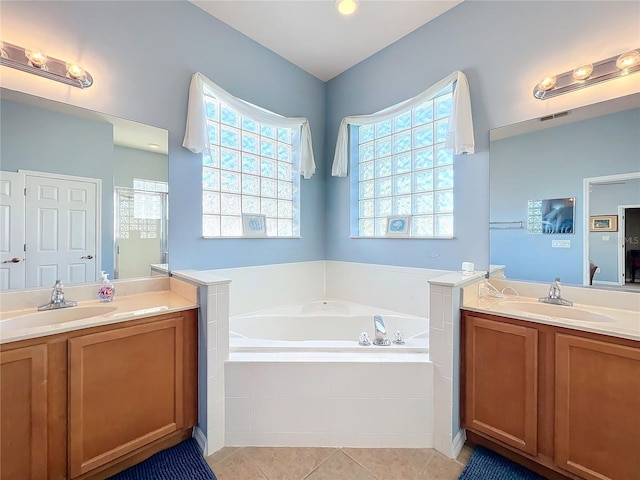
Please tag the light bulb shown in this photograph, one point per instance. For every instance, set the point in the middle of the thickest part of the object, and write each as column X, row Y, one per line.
column 583, row 72
column 547, row 83
column 36, row 57
column 347, row 7
column 75, row 71
column 628, row 60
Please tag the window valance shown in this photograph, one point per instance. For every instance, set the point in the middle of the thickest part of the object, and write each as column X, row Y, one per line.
column 196, row 135
column 459, row 132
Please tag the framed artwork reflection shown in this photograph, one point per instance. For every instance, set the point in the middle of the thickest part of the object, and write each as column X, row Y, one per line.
column 603, row 223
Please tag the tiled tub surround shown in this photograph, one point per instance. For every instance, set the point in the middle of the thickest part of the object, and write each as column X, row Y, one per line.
column 134, row 299
column 255, row 288
column 301, row 379
column 349, row 400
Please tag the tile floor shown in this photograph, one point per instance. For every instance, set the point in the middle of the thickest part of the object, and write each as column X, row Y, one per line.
column 308, row 463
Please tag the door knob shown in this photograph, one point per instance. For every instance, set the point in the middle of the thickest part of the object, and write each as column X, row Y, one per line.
column 87, row 257
column 13, row 260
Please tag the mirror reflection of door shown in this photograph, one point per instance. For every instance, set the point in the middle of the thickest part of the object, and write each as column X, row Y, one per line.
column 53, row 230
column 630, row 221
column 140, row 228
column 12, row 242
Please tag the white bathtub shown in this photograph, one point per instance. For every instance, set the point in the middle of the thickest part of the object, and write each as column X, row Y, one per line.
column 324, row 325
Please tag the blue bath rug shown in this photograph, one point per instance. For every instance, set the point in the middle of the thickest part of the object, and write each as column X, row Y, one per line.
column 485, row 464
column 182, row 462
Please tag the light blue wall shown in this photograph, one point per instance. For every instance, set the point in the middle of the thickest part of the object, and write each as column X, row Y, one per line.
column 130, row 163
column 143, row 55
column 503, row 49
column 552, row 163
column 32, row 138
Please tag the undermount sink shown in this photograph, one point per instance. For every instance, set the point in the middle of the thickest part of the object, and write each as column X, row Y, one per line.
column 556, row 311
column 51, row 317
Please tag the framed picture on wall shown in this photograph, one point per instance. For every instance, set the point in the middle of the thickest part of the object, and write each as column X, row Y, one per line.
column 398, row 226
column 603, row 223
column 254, row 225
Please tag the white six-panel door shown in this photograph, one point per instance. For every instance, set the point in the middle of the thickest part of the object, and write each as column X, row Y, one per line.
column 12, row 240
column 61, row 225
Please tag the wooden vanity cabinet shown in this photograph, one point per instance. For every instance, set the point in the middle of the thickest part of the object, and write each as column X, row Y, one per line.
column 562, row 402
column 501, row 369
column 23, row 413
column 92, row 402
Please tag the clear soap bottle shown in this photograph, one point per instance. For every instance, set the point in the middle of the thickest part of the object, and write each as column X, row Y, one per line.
column 107, row 291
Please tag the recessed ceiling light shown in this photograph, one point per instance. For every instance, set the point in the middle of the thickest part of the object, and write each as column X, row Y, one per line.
column 153, row 145
column 346, row 7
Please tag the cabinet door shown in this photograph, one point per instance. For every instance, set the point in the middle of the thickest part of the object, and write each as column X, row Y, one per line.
column 501, row 381
column 23, row 413
column 125, row 391
column 597, row 421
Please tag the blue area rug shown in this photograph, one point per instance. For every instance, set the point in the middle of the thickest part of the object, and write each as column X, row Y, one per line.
column 182, row 462
column 485, row 464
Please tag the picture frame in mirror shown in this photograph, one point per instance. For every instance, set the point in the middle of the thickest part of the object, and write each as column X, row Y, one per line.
column 603, row 223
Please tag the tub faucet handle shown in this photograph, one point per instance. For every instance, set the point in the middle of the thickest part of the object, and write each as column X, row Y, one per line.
column 364, row 339
column 398, row 338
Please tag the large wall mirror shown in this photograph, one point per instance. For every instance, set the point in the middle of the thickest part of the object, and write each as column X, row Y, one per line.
column 80, row 192
column 591, row 155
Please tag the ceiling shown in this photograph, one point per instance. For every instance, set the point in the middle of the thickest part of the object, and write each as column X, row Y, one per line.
column 314, row 36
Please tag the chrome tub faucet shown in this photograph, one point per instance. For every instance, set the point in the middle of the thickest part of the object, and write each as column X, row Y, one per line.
column 57, row 299
column 380, row 337
column 555, row 296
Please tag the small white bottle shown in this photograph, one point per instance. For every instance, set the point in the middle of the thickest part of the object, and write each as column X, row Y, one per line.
column 107, row 291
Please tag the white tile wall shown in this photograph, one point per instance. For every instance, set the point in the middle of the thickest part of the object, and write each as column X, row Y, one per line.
column 265, row 286
column 319, row 403
column 401, row 289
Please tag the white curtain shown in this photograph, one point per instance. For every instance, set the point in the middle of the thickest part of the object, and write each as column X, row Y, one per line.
column 459, row 132
column 196, row 137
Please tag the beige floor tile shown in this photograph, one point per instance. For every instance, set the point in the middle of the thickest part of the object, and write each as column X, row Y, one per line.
column 392, row 463
column 340, row 467
column 441, row 468
column 288, row 463
column 237, row 466
column 217, row 457
column 465, row 453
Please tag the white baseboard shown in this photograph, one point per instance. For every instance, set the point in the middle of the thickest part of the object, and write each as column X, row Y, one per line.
column 458, row 442
column 201, row 440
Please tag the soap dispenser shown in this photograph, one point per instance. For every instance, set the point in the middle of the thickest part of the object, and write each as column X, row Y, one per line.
column 107, row 291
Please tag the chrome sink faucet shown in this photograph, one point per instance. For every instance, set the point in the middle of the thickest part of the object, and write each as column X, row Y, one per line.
column 381, row 332
column 57, row 299
column 555, row 295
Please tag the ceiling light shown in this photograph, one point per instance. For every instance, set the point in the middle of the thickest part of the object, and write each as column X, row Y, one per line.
column 153, row 145
column 547, row 83
column 583, row 72
column 588, row 74
column 628, row 60
column 347, row 7
column 36, row 62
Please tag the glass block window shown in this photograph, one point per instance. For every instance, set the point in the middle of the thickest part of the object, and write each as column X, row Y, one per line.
column 140, row 211
column 404, row 169
column 251, row 168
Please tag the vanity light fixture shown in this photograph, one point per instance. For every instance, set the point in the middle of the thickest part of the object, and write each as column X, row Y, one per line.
column 35, row 61
column 588, row 74
column 347, row 7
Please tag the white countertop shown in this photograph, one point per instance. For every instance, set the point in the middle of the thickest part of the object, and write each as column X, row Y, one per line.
column 127, row 307
column 622, row 323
